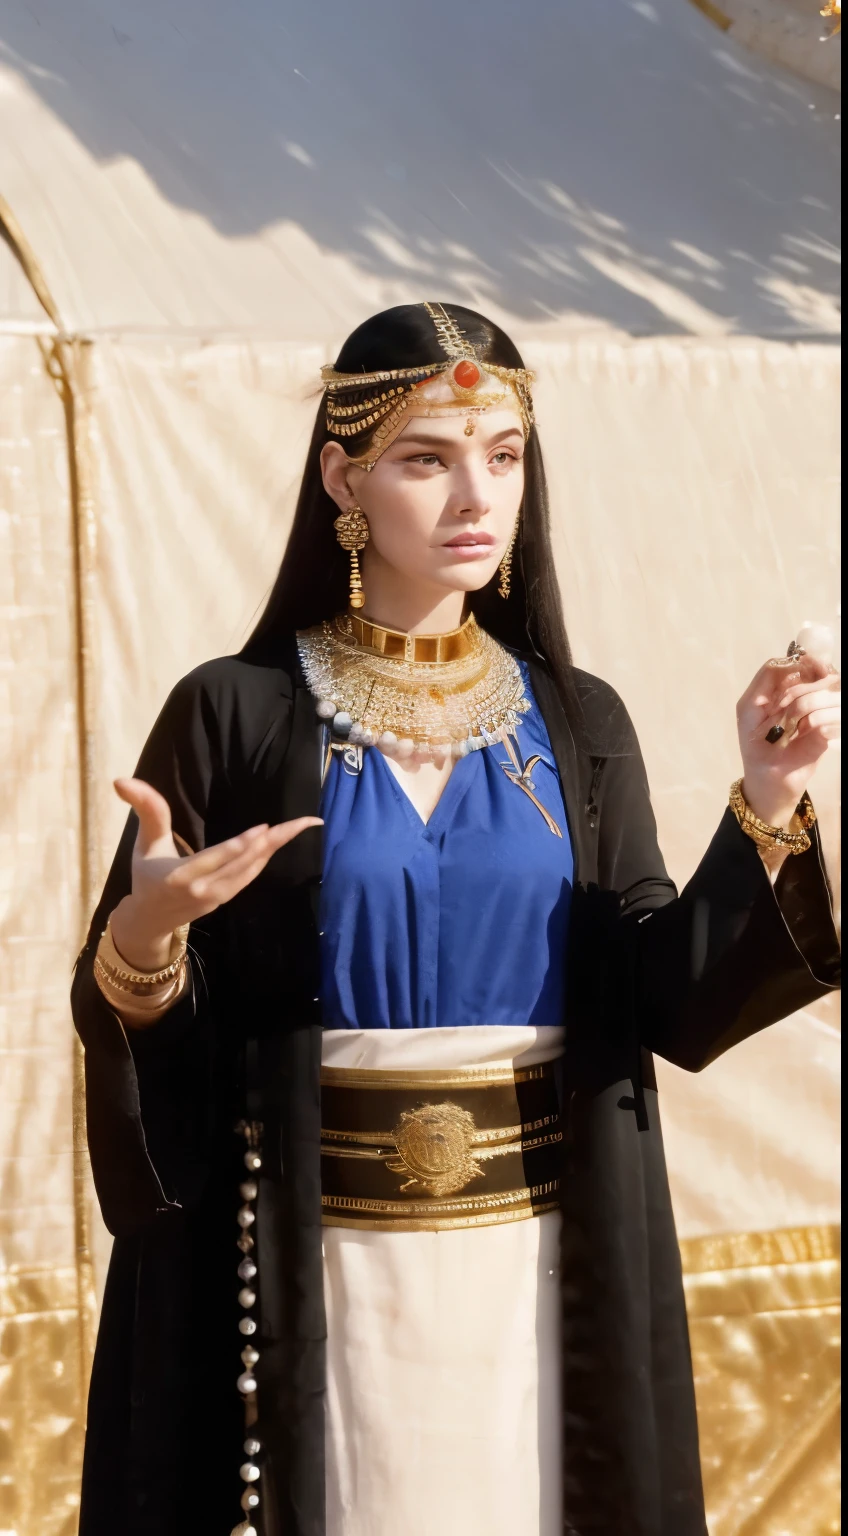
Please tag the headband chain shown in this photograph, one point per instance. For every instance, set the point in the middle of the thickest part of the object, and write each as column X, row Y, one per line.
column 381, row 402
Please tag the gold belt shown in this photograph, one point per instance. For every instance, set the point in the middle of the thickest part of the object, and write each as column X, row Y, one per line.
column 466, row 1148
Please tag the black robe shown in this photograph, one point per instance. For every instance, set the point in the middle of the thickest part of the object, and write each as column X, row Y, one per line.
column 687, row 976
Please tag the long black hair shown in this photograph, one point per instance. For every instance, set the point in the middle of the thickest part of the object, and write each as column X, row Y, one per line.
column 312, row 583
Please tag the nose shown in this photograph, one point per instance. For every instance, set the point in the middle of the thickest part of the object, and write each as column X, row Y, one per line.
column 471, row 498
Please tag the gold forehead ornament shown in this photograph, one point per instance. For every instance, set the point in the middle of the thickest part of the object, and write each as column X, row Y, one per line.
column 380, row 404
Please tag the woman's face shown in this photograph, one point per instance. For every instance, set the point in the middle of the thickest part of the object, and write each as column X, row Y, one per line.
column 441, row 505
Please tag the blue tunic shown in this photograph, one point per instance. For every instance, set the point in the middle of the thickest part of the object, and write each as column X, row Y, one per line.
column 458, row 920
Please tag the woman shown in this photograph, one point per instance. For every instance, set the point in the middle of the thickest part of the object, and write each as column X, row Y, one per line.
column 431, row 1277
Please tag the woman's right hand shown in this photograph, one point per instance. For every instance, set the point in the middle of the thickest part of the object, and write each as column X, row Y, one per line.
column 169, row 891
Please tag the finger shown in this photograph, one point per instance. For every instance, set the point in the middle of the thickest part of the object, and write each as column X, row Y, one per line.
column 779, row 673
column 784, row 721
column 233, row 878
column 829, row 719
column 781, row 666
column 210, row 885
column 802, row 708
column 806, row 748
column 233, row 875
column 285, row 831
column 767, row 687
column 771, row 678
column 772, row 727
column 832, row 683
column 151, row 808
column 205, row 863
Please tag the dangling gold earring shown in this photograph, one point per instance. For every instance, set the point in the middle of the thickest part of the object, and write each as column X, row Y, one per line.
column 352, row 532
column 505, row 567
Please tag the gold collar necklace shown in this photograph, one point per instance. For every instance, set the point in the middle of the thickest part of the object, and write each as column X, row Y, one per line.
column 400, row 646
column 427, row 696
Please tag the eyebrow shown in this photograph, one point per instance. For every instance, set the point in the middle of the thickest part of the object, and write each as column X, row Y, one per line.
column 424, row 439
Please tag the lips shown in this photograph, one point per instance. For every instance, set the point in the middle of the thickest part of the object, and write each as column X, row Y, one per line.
column 472, row 541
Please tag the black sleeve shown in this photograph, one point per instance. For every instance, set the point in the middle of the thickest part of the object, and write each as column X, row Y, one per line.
column 732, row 953
column 128, row 1097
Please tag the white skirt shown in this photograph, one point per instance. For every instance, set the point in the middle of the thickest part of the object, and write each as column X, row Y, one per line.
column 444, row 1413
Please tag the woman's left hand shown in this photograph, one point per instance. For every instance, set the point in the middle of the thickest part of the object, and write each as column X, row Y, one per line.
column 806, row 699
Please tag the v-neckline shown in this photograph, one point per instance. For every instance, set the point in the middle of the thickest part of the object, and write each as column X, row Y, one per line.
column 454, row 789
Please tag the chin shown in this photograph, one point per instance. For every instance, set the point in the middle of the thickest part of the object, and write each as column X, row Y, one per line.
column 471, row 579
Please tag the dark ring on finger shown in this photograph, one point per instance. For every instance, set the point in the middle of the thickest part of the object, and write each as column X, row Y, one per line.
column 775, row 734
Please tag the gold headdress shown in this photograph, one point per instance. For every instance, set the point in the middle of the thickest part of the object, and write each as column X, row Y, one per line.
column 378, row 405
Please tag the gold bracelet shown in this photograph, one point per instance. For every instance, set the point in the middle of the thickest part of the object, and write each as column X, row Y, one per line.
column 140, row 1011
column 111, row 967
column 140, row 985
column 766, row 836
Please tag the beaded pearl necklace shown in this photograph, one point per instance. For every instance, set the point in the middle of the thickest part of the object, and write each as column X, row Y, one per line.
column 422, row 697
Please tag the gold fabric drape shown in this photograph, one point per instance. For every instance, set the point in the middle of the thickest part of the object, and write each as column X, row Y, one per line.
column 40, row 1366
column 764, row 1311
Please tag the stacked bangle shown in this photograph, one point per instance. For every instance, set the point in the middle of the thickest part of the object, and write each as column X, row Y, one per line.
column 140, row 995
column 794, row 839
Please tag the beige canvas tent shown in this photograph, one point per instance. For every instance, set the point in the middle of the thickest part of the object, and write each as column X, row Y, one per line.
column 200, row 200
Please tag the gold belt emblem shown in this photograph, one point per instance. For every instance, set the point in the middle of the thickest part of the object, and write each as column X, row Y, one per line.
column 434, row 1148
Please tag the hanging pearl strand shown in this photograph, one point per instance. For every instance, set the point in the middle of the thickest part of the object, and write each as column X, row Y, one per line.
column 247, row 1270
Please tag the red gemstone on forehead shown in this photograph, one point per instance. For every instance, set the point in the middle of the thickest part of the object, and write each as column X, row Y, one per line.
column 467, row 375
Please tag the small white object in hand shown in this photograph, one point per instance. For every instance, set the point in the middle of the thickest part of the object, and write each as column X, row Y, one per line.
column 816, row 640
